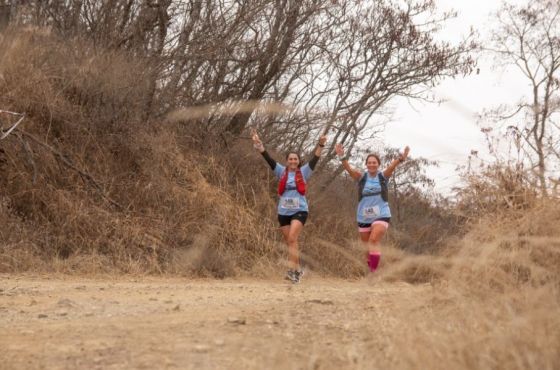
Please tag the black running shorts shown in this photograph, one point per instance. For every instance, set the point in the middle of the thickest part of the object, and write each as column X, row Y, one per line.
column 286, row 220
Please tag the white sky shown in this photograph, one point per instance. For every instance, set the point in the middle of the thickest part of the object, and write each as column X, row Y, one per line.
column 449, row 131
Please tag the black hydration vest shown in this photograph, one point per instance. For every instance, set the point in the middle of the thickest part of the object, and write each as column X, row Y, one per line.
column 382, row 181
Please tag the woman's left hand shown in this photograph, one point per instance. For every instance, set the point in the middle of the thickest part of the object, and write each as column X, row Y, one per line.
column 257, row 143
column 405, row 153
column 339, row 149
column 323, row 140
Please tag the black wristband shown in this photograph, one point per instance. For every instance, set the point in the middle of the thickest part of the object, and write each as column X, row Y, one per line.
column 322, row 145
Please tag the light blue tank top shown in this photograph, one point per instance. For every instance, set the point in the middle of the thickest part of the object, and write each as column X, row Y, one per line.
column 372, row 207
column 292, row 202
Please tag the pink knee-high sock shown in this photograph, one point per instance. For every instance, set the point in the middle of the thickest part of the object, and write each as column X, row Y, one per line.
column 373, row 260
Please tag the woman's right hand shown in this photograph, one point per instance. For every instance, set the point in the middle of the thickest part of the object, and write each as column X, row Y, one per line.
column 339, row 149
column 257, row 143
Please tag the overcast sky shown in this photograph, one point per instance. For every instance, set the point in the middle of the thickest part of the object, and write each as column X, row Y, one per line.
column 448, row 132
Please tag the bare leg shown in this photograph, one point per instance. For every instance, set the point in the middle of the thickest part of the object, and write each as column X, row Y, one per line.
column 286, row 234
column 364, row 237
column 377, row 233
column 293, row 253
column 374, row 254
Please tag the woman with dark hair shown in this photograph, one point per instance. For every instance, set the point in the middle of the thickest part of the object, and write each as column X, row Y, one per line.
column 292, row 205
column 373, row 214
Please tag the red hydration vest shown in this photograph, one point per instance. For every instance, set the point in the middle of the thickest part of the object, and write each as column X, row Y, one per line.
column 300, row 183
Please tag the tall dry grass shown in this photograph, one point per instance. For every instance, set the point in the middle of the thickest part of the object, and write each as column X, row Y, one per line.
column 88, row 186
column 494, row 301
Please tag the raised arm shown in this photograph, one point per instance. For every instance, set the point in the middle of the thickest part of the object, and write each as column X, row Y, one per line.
column 318, row 151
column 257, row 143
column 355, row 174
column 391, row 168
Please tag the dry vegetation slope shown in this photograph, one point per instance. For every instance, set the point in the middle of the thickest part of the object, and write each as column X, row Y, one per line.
column 493, row 299
column 110, row 192
column 497, row 292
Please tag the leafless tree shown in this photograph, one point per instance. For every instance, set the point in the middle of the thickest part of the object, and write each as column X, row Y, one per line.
column 365, row 54
column 528, row 38
column 337, row 63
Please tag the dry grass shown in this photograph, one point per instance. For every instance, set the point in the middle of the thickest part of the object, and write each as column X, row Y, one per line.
column 495, row 297
column 90, row 187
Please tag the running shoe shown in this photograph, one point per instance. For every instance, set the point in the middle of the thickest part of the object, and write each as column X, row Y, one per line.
column 291, row 276
column 298, row 274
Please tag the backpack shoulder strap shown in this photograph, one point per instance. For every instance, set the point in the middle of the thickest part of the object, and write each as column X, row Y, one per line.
column 384, row 187
column 381, row 177
column 282, row 182
column 361, row 185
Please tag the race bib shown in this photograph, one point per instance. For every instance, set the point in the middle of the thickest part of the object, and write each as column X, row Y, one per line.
column 371, row 211
column 289, row 203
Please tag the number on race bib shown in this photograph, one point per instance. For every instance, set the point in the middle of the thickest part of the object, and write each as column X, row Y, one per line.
column 371, row 211
column 290, row 203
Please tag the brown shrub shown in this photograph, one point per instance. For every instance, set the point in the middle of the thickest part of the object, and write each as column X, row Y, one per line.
column 87, row 181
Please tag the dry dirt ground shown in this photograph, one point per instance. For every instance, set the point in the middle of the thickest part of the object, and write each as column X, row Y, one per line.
column 171, row 323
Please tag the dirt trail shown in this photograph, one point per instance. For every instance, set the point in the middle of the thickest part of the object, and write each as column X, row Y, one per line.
column 160, row 323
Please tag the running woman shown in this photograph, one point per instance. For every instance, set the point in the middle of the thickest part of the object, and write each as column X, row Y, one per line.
column 292, row 206
column 373, row 214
